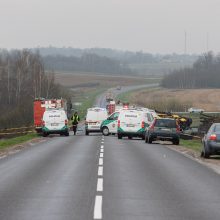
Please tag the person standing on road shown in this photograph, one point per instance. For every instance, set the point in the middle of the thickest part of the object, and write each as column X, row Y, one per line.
column 75, row 120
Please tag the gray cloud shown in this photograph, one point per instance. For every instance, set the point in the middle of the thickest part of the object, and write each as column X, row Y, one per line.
column 155, row 26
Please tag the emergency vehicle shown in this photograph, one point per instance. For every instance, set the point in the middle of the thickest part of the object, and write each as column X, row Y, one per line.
column 109, row 126
column 55, row 122
column 94, row 118
column 40, row 106
column 132, row 122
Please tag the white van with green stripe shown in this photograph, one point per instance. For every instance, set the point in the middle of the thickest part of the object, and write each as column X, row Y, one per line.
column 109, row 126
column 132, row 122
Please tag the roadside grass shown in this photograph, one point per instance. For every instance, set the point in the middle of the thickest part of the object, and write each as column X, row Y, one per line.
column 195, row 145
column 87, row 99
column 5, row 143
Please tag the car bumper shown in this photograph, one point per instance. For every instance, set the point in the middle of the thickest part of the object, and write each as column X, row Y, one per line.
column 214, row 146
column 133, row 134
column 163, row 137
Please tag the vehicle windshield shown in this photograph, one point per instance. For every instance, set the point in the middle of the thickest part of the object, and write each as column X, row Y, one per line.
column 217, row 128
column 165, row 123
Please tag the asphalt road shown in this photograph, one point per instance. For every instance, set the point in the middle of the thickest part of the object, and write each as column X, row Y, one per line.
column 94, row 177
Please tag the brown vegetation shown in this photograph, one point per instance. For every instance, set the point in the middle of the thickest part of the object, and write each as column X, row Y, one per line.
column 179, row 100
column 92, row 79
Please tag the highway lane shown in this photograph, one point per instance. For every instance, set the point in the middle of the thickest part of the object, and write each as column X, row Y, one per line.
column 58, row 179
column 53, row 180
column 150, row 181
column 94, row 177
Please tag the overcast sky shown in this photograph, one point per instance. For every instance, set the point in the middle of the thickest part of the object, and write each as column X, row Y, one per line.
column 155, row 26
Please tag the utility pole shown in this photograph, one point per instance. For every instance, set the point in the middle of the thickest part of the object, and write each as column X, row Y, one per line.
column 185, row 44
column 207, row 42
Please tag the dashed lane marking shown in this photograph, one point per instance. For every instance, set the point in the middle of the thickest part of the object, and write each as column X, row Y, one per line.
column 101, row 155
column 100, row 171
column 100, row 161
column 100, row 185
column 102, row 150
column 102, row 146
column 98, row 208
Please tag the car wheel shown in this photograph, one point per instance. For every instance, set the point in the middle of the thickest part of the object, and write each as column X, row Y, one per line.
column 176, row 141
column 206, row 152
column 45, row 134
column 142, row 137
column 129, row 137
column 105, row 131
column 119, row 136
column 150, row 140
column 87, row 132
column 146, row 139
column 67, row 133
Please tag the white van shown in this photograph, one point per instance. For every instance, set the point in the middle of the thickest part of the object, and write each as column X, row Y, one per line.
column 109, row 126
column 94, row 118
column 55, row 122
column 132, row 123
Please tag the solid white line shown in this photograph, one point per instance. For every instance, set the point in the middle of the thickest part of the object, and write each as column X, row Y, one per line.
column 102, row 150
column 101, row 155
column 100, row 185
column 98, row 208
column 100, row 171
column 100, row 161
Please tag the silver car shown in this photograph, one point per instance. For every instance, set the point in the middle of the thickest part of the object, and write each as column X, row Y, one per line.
column 211, row 141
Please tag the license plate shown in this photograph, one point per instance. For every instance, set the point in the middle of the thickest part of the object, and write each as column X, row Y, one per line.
column 130, row 126
column 92, row 123
column 54, row 124
column 94, row 126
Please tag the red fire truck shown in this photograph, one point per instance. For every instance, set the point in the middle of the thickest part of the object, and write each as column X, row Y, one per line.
column 40, row 106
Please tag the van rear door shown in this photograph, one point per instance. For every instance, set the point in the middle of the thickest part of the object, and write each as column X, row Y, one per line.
column 131, row 121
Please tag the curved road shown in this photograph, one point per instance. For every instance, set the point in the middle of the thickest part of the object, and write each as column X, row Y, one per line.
column 95, row 177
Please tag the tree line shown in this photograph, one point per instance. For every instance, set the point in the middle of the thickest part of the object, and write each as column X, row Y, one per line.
column 85, row 63
column 22, row 79
column 205, row 73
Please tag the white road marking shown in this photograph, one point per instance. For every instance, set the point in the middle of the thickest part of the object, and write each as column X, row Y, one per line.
column 100, row 171
column 100, row 185
column 102, row 150
column 98, row 208
column 100, row 161
column 101, row 155
column 102, row 142
column 102, row 146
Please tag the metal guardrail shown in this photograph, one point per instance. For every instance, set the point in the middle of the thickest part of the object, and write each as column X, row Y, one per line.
column 12, row 132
